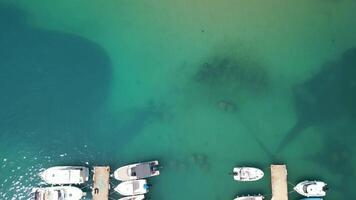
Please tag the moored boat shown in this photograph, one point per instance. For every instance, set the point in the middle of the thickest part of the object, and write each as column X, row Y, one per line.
column 137, row 171
column 247, row 174
column 133, row 187
column 312, row 199
column 65, row 175
column 250, row 197
column 58, row 193
column 311, row 188
column 136, row 197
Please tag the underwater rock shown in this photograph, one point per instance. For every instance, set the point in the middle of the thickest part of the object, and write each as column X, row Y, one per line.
column 332, row 155
column 160, row 110
column 201, row 160
column 227, row 106
column 227, row 72
column 337, row 152
column 178, row 165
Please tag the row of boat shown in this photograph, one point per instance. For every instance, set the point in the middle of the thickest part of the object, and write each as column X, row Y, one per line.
column 247, row 174
column 313, row 189
column 133, row 185
column 62, row 176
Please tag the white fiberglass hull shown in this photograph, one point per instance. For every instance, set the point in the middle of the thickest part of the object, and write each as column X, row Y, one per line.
column 127, row 173
column 136, row 197
column 247, row 174
column 254, row 197
column 131, row 188
column 58, row 193
column 65, row 175
column 311, row 188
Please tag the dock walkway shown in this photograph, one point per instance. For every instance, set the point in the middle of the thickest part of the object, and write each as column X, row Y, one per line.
column 279, row 182
column 101, row 183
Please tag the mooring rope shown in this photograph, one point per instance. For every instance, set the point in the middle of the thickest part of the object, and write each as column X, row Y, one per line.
column 291, row 184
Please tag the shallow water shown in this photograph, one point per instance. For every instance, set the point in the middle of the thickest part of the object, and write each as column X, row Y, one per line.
column 200, row 85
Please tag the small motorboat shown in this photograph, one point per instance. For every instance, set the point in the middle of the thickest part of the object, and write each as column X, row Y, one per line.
column 311, row 188
column 65, row 175
column 137, row 171
column 133, row 187
column 136, row 197
column 58, row 193
column 247, row 174
column 249, row 197
column 312, row 199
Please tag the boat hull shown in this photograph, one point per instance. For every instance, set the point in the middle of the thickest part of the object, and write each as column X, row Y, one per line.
column 254, row 197
column 133, row 187
column 247, row 174
column 136, row 197
column 311, row 188
column 312, row 199
column 127, row 173
column 65, row 175
column 58, row 192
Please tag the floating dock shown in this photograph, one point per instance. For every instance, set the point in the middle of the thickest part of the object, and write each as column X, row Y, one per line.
column 101, row 183
column 279, row 182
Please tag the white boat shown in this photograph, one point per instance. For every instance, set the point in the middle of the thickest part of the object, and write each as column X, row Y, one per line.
column 137, row 171
column 136, row 197
column 133, row 187
column 58, row 193
column 311, row 188
column 312, row 199
column 65, row 175
column 247, row 174
column 253, row 197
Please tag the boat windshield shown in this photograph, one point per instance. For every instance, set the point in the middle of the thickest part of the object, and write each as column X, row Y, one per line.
column 136, row 185
column 39, row 195
column 60, row 194
column 305, row 188
column 245, row 174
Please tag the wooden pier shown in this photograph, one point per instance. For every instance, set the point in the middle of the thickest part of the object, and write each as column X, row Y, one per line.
column 101, row 183
column 279, row 182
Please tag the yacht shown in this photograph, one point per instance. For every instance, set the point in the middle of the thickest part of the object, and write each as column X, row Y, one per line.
column 58, row 193
column 137, row 171
column 65, row 175
column 253, row 197
column 312, row 199
column 247, row 174
column 136, row 197
column 311, row 188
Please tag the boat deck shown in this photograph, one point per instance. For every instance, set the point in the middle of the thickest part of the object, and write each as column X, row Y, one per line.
column 279, row 182
column 101, row 183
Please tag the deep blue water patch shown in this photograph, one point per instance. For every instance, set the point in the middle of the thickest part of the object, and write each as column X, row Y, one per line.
column 327, row 97
column 52, row 83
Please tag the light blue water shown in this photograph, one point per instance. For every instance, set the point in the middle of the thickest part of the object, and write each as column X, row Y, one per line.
column 201, row 86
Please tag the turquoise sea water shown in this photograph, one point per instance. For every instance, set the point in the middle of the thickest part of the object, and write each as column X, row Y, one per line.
column 202, row 86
